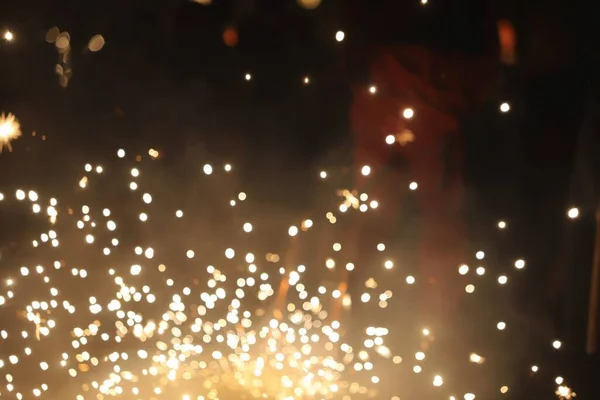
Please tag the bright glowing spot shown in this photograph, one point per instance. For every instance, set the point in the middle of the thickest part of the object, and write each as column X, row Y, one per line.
column 10, row 129
column 501, row 224
column 520, row 264
column 365, row 170
column 408, row 113
column 248, row 77
column 339, row 36
column 207, row 169
column 565, row 392
column 153, row 153
column 480, row 255
column 572, row 213
column 413, row 186
column 390, row 139
column 476, row 358
column 504, row 107
column 135, row 270
column 556, row 344
column 373, row 89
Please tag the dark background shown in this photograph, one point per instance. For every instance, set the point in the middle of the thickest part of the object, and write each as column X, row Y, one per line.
column 165, row 79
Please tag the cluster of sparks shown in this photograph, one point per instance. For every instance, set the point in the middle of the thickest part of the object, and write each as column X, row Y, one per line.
column 181, row 341
column 246, row 335
column 97, row 313
column 140, row 321
column 10, row 129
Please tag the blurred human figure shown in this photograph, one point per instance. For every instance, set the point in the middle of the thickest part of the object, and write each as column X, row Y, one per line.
column 421, row 97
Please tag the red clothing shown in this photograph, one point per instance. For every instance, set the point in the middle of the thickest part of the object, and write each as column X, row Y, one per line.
column 436, row 89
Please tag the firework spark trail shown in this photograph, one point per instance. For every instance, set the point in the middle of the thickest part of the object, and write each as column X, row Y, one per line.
column 128, row 301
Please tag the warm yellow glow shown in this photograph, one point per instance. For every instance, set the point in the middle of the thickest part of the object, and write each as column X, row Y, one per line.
column 309, row 4
column 137, row 315
column 10, row 129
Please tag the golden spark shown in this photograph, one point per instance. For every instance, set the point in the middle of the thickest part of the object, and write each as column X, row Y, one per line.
column 10, row 129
